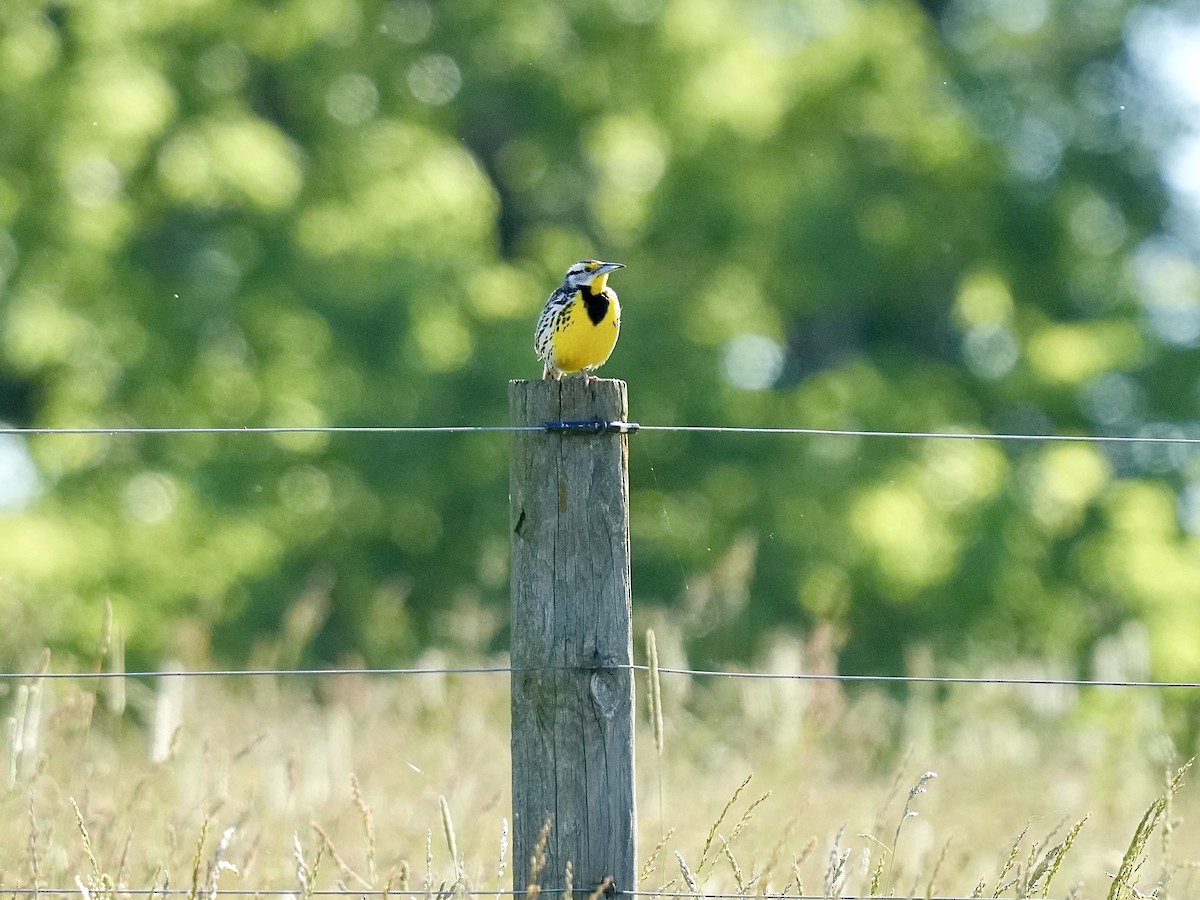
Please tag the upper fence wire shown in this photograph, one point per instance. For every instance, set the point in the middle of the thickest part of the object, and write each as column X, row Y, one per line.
column 622, row 427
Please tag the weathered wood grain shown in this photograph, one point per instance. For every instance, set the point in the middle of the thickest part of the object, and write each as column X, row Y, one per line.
column 572, row 707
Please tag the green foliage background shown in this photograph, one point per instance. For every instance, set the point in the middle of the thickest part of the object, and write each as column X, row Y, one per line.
column 834, row 213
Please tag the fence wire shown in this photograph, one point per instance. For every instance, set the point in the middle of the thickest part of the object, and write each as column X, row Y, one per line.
column 275, row 429
column 448, row 893
column 600, row 425
column 662, row 670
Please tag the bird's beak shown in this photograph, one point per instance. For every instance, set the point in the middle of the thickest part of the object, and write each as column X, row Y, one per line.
column 600, row 276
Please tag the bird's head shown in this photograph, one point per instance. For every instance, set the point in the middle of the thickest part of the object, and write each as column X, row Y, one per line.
column 589, row 273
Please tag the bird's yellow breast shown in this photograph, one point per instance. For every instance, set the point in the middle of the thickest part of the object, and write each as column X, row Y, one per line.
column 579, row 343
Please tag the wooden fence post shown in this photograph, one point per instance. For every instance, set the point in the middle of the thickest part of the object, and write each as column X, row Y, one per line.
column 572, row 640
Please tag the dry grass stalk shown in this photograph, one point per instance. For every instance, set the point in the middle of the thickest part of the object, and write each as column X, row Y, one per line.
column 338, row 861
column 100, row 884
column 916, row 790
column 797, row 882
column 654, row 687
column 451, row 840
column 1124, row 883
column 688, row 877
column 880, row 865
column 306, row 875
column 502, row 865
column 651, row 864
column 655, row 691
column 712, row 832
column 404, row 877
column 835, row 870
column 733, row 865
column 16, row 737
column 368, row 820
column 773, row 858
column 428, row 863
column 28, row 721
column 87, row 840
column 168, row 715
column 34, row 864
column 1054, row 857
column 197, row 859
column 1001, row 884
column 219, row 863
column 155, row 888
column 114, row 688
column 537, row 862
column 747, row 816
column 101, row 653
column 603, row 889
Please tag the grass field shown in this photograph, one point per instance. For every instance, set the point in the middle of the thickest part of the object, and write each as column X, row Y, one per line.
column 765, row 786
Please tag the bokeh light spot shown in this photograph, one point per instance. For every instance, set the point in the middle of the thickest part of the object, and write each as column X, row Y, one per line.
column 983, row 298
column 629, row 151
column 149, row 497
column 1035, row 149
column 1018, row 16
column 30, row 48
column 1097, row 225
column 909, row 542
column 443, row 339
column 752, row 362
column 1071, row 354
column 238, row 161
column 1168, row 281
column 94, row 181
column 222, row 68
column 305, row 490
column 352, row 99
column 990, row 351
column 434, row 79
column 406, row 21
column 1061, row 482
column 636, row 12
column 1112, row 400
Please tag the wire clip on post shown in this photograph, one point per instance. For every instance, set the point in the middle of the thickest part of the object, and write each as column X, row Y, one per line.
column 592, row 426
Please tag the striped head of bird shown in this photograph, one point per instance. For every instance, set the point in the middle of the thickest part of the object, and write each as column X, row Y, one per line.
column 591, row 274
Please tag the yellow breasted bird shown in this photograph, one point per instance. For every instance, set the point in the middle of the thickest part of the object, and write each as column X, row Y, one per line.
column 579, row 326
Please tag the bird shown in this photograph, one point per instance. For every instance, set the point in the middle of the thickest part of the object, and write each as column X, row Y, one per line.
column 578, row 327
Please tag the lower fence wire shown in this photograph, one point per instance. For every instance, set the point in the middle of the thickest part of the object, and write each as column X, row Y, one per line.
column 662, row 670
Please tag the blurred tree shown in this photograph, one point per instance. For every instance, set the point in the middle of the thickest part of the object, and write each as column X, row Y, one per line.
column 888, row 215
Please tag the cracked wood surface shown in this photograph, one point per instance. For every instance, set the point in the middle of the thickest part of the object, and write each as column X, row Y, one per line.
column 572, row 718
